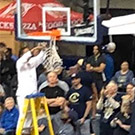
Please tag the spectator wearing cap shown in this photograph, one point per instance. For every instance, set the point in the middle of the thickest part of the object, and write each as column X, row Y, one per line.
column 68, row 118
column 79, row 99
column 87, row 81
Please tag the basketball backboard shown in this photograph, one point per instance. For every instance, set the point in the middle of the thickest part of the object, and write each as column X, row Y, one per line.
column 45, row 15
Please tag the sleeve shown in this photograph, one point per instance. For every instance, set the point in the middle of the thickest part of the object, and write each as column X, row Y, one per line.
column 2, row 121
column 88, row 95
column 42, row 121
column 63, row 85
column 130, row 76
column 43, row 85
column 103, row 60
column 23, row 59
column 68, row 94
column 114, row 78
column 43, row 90
column 100, row 104
column 37, row 60
column 113, row 122
column 61, row 92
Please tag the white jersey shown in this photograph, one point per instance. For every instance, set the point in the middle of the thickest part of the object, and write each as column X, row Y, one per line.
column 26, row 71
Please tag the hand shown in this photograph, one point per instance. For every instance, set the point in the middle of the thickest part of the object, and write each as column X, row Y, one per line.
column 88, row 67
column 119, row 122
column 91, row 68
column 2, row 94
column 102, row 93
column 2, row 130
column 66, row 108
column 39, row 47
column 60, row 99
column 41, row 128
column 106, row 93
column 123, row 126
column 42, row 45
column 82, row 120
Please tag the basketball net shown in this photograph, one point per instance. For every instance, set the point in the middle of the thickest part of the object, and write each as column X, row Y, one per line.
column 53, row 60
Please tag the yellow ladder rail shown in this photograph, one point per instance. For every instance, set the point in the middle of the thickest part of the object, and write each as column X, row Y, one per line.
column 34, row 102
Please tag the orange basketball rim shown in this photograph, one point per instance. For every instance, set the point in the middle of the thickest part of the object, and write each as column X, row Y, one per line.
column 54, row 34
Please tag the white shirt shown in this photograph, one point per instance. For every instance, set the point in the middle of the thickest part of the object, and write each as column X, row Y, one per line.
column 26, row 71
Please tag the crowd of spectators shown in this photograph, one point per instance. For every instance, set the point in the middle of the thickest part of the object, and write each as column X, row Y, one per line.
column 83, row 100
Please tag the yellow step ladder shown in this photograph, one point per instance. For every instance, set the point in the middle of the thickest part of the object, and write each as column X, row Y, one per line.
column 33, row 102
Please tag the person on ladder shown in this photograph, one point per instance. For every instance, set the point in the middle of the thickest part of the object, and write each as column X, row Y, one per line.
column 27, row 78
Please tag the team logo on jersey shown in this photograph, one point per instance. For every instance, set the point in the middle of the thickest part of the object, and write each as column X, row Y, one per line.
column 74, row 97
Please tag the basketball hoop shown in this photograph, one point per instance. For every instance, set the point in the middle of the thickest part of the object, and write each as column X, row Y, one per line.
column 53, row 60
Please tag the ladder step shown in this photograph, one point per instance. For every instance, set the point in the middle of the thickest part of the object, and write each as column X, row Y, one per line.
column 36, row 95
column 29, row 111
column 25, row 128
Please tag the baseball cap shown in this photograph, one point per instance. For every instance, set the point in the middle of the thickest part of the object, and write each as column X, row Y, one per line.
column 73, row 115
column 75, row 76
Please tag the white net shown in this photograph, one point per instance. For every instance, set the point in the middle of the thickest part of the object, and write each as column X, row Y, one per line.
column 53, row 60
